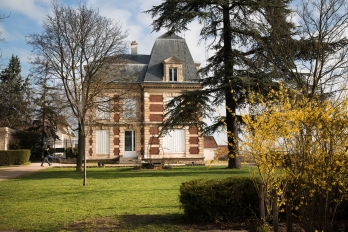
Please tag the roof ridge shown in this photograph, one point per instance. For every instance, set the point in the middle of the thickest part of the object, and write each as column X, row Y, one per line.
column 172, row 36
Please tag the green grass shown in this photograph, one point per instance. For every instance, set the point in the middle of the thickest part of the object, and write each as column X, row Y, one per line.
column 55, row 199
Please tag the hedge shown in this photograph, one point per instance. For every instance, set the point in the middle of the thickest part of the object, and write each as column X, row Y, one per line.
column 14, row 157
column 233, row 199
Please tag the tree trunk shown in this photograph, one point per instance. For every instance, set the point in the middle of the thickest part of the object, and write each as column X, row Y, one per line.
column 81, row 148
column 231, row 105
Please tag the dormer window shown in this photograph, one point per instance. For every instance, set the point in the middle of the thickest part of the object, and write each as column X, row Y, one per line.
column 173, row 70
column 173, row 74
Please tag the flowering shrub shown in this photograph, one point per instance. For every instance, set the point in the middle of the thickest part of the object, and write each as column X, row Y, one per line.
column 301, row 144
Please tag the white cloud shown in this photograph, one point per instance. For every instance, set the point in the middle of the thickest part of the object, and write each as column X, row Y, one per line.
column 130, row 14
column 113, row 12
column 34, row 9
column 145, row 19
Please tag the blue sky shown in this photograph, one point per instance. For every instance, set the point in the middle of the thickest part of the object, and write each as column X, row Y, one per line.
column 26, row 17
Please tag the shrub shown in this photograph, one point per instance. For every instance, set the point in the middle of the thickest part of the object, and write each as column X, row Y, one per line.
column 227, row 200
column 12, row 157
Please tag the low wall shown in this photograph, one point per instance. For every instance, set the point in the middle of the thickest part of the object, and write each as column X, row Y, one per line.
column 5, row 137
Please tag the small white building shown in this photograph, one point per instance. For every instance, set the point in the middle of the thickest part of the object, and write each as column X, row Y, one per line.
column 66, row 140
column 210, row 147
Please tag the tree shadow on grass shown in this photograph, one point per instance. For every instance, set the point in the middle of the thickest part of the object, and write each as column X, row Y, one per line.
column 111, row 173
column 148, row 223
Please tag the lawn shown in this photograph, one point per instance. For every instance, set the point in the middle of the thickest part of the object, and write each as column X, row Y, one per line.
column 115, row 199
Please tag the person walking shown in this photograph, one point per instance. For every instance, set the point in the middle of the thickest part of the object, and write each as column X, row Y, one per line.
column 45, row 156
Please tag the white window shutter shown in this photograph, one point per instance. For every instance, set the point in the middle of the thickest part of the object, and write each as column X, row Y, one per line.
column 174, row 141
column 103, row 142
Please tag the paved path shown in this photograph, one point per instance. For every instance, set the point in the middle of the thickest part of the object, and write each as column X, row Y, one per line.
column 21, row 170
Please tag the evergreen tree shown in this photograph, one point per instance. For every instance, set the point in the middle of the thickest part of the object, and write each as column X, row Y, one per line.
column 14, row 92
column 244, row 35
column 47, row 113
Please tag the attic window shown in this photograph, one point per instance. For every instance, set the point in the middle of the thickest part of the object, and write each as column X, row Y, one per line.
column 173, row 70
column 173, row 74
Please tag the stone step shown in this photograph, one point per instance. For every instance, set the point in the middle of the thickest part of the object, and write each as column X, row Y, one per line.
column 129, row 161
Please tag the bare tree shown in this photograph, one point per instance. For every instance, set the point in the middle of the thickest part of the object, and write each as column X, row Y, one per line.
column 2, row 17
column 316, row 59
column 324, row 24
column 79, row 48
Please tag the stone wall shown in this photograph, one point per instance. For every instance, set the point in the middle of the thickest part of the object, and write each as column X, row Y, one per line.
column 5, row 137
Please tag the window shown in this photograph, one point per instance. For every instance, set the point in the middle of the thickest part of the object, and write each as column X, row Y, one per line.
column 174, row 141
column 173, row 74
column 103, row 107
column 103, row 142
column 129, row 106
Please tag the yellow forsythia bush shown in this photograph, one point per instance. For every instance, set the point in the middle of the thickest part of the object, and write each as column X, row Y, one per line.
column 301, row 144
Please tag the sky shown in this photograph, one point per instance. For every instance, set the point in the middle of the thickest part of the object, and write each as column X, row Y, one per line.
column 26, row 17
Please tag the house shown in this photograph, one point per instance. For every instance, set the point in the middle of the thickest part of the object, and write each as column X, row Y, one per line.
column 66, row 139
column 129, row 127
column 210, row 147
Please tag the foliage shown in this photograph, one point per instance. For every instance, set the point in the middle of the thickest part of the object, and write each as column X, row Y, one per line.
column 77, row 48
column 221, row 154
column 264, row 228
column 14, row 92
column 308, row 139
column 11, row 157
column 242, row 33
column 49, row 111
column 227, row 200
column 25, row 140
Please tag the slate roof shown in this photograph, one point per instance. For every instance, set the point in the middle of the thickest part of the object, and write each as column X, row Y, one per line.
column 164, row 48
column 136, row 66
column 149, row 68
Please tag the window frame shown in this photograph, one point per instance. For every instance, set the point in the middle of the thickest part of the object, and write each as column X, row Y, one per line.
column 173, row 74
column 130, row 108
column 103, row 107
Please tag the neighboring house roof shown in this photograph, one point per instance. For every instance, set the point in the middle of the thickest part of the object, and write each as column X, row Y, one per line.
column 209, row 142
column 64, row 130
column 164, row 48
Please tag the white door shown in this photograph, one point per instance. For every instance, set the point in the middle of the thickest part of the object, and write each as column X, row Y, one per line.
column 129, row 144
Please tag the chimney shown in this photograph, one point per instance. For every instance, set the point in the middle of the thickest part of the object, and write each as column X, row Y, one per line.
column 134, row 48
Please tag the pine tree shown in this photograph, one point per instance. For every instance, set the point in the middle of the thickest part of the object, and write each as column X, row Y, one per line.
column 14, row 96
column 244, row 33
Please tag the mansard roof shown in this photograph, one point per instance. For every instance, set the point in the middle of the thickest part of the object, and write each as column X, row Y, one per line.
column 164, row 48
column 149, row 68
column 136, row 66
